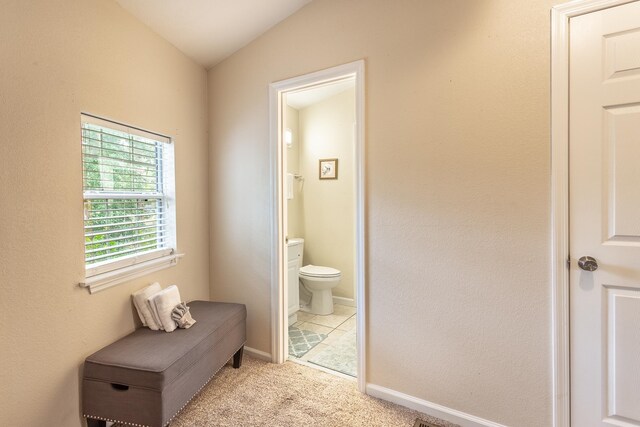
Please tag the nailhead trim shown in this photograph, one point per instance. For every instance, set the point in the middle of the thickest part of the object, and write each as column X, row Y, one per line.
column 174, row 415
column 95, row 417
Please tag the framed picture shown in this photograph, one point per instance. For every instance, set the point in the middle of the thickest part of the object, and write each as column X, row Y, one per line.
column 328, row 168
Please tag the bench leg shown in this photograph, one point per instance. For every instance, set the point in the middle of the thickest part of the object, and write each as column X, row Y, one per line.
column 237, row 358
column 96, row 423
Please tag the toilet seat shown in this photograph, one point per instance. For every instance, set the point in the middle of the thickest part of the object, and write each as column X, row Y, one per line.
column 318, row 271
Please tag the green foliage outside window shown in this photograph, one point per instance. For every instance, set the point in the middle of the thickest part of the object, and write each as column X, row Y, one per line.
column 119, row 163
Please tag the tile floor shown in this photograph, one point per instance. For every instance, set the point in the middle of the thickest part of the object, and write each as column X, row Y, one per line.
column 333, row 325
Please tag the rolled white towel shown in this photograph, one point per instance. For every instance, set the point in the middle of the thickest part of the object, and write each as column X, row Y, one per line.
column 163, row 303
column 144, row 310
column 182, row 317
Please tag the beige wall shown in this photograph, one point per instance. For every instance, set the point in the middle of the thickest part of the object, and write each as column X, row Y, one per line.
column 60, row 58
column 326, row 131
column 457, row 191
column 295, row 218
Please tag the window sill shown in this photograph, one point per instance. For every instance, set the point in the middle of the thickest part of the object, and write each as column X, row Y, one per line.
column 100, row 282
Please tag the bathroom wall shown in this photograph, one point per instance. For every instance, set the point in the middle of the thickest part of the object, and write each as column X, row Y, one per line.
column 60, row 58
column 295, row 218
column 458, row 290
column 326, row 131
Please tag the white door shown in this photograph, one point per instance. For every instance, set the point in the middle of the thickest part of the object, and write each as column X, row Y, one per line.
column 604, row 165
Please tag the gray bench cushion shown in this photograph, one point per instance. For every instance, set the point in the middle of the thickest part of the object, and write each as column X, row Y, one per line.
column 148, row 359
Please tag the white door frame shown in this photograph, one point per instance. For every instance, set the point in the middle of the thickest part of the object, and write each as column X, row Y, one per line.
column 560, row 16
column 279, row 313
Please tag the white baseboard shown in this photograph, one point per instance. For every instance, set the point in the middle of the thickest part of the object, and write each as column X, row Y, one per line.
column 344, row 301
column 292, row 319
column 258, row 354
column 429, row 408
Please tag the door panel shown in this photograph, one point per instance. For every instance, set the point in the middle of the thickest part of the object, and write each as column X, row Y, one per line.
column 622, row 156
column 622, row 54
column 604, row 205
column 623, row 363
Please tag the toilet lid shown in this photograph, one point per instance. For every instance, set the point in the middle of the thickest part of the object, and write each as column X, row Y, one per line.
column 319, row 271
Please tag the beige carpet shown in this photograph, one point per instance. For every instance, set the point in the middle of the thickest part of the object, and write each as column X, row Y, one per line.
column 266, row 394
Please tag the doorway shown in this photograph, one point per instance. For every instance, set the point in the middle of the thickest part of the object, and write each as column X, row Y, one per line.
column 346, row 170
column 596, row 239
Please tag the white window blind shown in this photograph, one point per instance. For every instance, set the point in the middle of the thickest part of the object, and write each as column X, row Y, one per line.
column 128, row 189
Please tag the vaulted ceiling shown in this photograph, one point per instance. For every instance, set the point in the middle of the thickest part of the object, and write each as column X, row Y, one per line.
column 210, row 30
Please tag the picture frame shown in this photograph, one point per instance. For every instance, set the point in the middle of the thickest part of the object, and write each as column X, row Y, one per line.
column 328, row 169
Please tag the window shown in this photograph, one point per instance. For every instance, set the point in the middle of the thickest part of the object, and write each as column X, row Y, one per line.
column 129, row 202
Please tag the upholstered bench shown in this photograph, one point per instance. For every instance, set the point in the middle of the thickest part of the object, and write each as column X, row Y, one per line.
column 147, row 377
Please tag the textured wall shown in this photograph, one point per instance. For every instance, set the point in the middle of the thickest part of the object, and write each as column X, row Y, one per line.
column 457, row 188
column 326, row 131
column 59, row 58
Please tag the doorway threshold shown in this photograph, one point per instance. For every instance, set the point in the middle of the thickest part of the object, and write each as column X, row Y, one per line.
column 322, row 368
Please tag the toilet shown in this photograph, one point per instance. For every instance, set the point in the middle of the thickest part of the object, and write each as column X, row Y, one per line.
column 319, row 281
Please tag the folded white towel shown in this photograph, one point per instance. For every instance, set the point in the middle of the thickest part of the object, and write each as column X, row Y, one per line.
column 154, row 311
column 289, row 186
column 144, row 311
column 140, row 315
column 163, row 303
